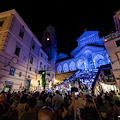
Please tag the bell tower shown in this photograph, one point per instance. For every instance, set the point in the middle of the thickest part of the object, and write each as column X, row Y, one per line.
column 49, row 42
column 117, row 20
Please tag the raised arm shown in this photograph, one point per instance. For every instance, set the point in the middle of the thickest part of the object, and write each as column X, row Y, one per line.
column 73, row 100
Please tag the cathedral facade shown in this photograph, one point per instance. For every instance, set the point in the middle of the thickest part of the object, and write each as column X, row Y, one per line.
column 89, row 54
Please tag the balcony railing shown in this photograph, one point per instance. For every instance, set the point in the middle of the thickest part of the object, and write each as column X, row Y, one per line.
column 112, row 36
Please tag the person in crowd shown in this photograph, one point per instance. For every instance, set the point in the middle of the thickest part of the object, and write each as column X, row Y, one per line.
column 36, row 94
column 1, row 111
column 69, row 99
column 16, row 100
column 114, row 97
column 21, row 106
column 89, row 112
column 31, row 114
column 118, row 109
column 57, row 101
column 63, row 110
column 42, row 96
column 102, row 108
column 48, row 101
column 8, row 95
column 5, row 105
column 39, row 105
column 45, row 114
column 80, row 101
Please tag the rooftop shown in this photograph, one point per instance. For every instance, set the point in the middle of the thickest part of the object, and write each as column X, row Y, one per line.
column 112, row 36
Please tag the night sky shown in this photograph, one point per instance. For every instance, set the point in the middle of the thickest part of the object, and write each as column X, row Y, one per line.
column 70, row 18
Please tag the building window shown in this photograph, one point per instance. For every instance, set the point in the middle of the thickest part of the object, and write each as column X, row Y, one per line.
column 21, row 33
column 47, row 34
column 17, row 50
column 41, row 54
column 1, row 23
column 45, row 58
column 33, row 46
column 12, row 71
column 118, row 43
column 31, row 60
column 48, row 67
column 107, row 72
column 40, row 64
column 48, row 74
column 47, row 42
column 29, row 68
column 24, row 59
column 44, row 67
column 48, row 54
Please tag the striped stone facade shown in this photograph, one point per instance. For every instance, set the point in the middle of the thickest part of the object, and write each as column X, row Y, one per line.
column 20, row 55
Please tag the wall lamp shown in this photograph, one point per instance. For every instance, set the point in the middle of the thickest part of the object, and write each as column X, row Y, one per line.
column 7, row 64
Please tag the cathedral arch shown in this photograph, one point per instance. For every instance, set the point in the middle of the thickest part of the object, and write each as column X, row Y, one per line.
column 90, row 61
column 99, row 60
column 59, row 69
column 72, row 66
column 81, row 64
column 89, row 57
column 65, row 67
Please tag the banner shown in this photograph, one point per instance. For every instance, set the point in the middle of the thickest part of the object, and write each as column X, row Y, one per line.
column 43, row 80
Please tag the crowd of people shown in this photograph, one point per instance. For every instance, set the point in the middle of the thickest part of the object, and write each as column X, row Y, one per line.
column 53, row 106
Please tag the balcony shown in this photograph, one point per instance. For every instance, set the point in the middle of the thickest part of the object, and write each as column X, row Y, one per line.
column 112, row 36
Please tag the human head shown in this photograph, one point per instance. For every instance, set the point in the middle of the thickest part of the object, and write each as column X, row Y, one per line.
column 36, row 94
column 57, row 92
column 45, row 114
column 113, row 92
column 32, row 102
column 23, row 99
column 90, row 103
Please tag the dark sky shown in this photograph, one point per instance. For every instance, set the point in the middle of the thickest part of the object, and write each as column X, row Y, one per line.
column 70, row 18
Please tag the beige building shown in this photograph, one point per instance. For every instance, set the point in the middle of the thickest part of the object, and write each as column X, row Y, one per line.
column 21, row 55
column 112, row 44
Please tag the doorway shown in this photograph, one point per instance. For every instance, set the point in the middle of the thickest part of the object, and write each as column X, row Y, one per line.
column 27, row 87
column 8, row 86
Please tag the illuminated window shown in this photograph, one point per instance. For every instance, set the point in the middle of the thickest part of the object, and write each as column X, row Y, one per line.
column 12, row 71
